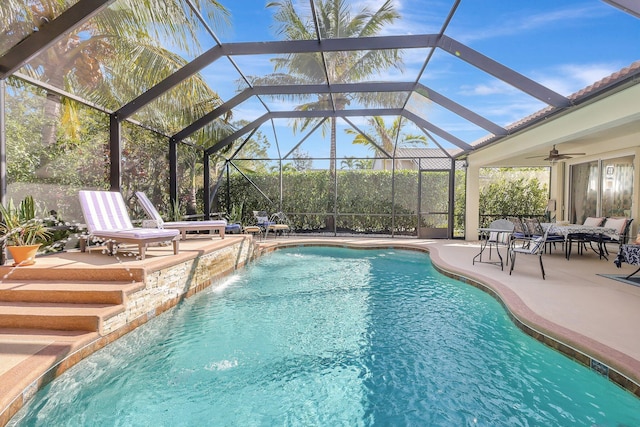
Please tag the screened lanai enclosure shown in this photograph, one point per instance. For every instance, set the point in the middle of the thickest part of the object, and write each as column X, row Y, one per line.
column 348, row 116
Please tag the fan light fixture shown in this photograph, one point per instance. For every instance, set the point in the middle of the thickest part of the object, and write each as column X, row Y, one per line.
column 555, row 155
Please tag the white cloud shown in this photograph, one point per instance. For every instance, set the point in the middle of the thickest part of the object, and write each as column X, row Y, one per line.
column 509, row 25
column 569, row 78
column 247, row 113
column 484, row 89
column 415, row 18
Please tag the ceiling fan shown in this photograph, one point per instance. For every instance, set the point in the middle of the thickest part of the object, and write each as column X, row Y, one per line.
column 555, row 155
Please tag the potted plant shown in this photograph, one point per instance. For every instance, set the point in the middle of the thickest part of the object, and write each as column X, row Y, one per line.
column 21, row 231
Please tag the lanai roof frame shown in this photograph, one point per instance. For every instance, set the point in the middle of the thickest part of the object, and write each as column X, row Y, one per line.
column 84, row 9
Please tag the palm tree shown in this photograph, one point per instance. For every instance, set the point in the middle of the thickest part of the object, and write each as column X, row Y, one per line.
column 111, row 56
column 348, row 163
column 387, row 136
column 334, row 20
column 364, row 164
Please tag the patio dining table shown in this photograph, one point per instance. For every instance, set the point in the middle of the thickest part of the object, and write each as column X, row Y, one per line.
column 569, row 231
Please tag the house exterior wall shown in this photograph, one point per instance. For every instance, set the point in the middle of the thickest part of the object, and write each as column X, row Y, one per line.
column 603, row 128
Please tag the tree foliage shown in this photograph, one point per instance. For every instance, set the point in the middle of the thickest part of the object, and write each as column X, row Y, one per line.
column 365, row 203
column 333, row 19
column 519, row 197
column 385, row 137
column 109, row 60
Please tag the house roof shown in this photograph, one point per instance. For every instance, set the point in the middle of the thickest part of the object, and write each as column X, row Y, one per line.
column 604, row 86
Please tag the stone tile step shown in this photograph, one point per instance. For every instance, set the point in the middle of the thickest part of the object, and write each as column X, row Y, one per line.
column 42, row 270
column 68, row 292
column 66, row 317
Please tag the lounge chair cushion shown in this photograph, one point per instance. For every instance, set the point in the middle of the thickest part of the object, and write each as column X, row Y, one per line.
column 136, row 233
column 107, row 218
column 182, row 226
column 278, row 227
column 148, row 207
column 104, row 211
column 233, row 228
column 196, row 224
column 252, row 229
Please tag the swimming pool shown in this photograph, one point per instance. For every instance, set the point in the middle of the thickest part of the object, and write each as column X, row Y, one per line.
column 328, row 337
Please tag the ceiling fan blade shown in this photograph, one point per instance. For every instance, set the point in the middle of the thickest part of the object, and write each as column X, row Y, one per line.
column 555, row 155
column 558, row 157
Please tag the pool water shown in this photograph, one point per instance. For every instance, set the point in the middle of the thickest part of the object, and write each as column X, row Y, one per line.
column 332, row 337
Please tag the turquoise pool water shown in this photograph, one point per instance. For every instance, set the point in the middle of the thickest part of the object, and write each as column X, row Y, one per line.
column 332, row 337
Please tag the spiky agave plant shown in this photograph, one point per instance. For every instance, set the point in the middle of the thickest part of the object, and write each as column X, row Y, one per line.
column 19, row 225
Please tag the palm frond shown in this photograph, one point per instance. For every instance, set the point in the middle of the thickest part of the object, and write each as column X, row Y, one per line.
column 289, row 23
column 385, row 15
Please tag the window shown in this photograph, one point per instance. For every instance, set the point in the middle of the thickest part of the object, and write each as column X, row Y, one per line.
column 617, row 186
column 601, row 188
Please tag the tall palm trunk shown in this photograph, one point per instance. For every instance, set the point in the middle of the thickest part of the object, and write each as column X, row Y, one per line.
column 192, row 207
column 333, row 19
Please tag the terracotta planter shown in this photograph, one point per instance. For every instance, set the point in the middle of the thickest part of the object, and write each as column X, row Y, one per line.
column 23, row 255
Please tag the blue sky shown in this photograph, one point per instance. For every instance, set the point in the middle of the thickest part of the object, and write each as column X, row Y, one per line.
column 565, row 45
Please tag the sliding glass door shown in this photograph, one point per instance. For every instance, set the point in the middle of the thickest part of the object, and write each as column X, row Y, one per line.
column 617, row 186
column 601, row 188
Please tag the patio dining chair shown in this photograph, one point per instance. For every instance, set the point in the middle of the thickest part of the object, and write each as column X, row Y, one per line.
column 262, row 219
column 496, row 239
column 182, row 226
column 533, row 245
column 278, row 223
column 620, row 237
column 496, row 234
column 581, row 239
column 520, row 231
column 535, row 229
column 106, row 217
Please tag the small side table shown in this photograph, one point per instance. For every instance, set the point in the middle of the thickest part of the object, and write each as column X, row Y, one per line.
column 485, row 240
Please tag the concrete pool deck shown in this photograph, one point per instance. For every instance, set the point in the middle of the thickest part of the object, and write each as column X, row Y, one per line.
column 577, row 307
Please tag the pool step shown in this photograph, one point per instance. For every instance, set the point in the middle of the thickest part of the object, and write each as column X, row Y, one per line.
column 67, row 292
column 56, row 316
column 45, row 270
column 62, row 305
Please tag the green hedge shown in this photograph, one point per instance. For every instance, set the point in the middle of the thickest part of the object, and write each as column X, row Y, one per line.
column 364, row 198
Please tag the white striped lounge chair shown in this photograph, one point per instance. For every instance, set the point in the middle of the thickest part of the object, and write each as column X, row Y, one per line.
column 106, row 217
column 182, row 226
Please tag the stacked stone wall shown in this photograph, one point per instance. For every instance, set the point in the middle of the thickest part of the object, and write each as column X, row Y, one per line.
column 164, row 288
